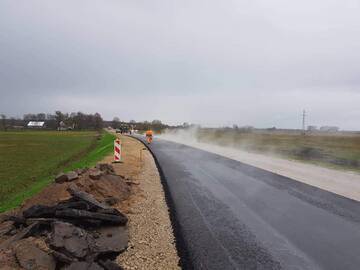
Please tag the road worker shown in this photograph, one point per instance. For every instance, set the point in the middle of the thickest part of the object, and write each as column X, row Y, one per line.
column 149, row 136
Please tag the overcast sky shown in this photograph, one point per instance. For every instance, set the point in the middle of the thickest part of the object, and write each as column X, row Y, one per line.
column 245, row 62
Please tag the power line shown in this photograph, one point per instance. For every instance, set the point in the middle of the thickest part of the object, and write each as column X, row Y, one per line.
column 303, row 122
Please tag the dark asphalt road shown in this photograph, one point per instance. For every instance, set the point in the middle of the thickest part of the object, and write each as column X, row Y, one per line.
column 234, row 216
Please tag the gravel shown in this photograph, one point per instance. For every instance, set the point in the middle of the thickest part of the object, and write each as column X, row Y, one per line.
column 152, row 244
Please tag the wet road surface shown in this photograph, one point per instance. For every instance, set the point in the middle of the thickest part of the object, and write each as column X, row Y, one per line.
column 230, row 215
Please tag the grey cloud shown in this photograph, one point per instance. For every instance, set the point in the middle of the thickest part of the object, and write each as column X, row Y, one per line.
column 213, row 62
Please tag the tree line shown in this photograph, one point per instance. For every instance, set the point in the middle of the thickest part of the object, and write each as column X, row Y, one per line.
column 79, row 121
column 155, row 125
column 58, row 120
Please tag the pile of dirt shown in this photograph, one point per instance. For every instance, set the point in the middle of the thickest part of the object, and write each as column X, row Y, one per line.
column 70, row 225
column 111, row 187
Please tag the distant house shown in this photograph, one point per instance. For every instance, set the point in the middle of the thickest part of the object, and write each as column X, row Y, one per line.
column 312, row 128
column 329, row 129
column 36, row 124
column 63, row 126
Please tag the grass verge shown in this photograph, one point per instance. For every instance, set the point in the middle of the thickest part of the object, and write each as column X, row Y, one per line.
column 30, row 160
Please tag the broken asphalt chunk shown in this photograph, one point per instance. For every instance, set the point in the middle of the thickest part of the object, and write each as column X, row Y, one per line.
column 66, row 177
column 83, row 214
column 30, row 257
column 110, row 265
column 39, row 211
column 71, row 240
column 95, row 174
column 75, row 192
column 111, row 239
column 83, row 266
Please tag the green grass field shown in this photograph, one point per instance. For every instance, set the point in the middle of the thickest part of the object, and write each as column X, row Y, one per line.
column 29, row 160
column 336, row 151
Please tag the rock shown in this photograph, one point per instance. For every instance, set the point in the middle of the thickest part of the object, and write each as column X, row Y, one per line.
column 40, row 243
column 86, row 223
column 61, row 178
column 43, row 221
column 113, row 239
column 30, row 257
column 43, row 211
column 72, row 176
column 82, row 222
column 95, row 174
column 83, row 266
column 78, row 171
column 105, row 167
column 13, row 232
column 111, row 200
column 81, row 171
column 39, row 211
column 18, row 220
column 73, row 205
column 80, row 195
column 111, row 211
column 110, row 265
column 34, row 229
column 61, row 257
column 66, row 177
column 31, row 230
column 83, row 214
column 72, row 240
column 6, row 227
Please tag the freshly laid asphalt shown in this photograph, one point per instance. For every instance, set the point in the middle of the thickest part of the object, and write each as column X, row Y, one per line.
column 229, row 215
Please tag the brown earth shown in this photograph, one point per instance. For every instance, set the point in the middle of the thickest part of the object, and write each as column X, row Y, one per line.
column 99, row 189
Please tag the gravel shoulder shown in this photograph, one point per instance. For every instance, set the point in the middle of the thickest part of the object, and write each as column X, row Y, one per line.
column 152, row 243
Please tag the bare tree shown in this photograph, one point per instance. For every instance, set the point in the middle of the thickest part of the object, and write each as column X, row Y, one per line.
column 29, row 117
column 98, row 121
column 116, row 122
column 59, row 117
column 41, row 117
column 12, row 121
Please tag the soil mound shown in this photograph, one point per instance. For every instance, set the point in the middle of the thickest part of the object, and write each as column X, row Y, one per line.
column 109, row 186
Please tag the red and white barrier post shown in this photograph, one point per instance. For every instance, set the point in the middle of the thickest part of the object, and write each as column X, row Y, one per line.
column 117, row 150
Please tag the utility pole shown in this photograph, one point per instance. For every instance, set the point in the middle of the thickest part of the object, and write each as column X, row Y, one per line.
column 303, row 122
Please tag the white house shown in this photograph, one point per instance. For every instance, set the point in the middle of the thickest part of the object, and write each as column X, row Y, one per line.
column 36, row 124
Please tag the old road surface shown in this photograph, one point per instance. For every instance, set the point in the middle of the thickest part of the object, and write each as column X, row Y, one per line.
column 234, row 216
